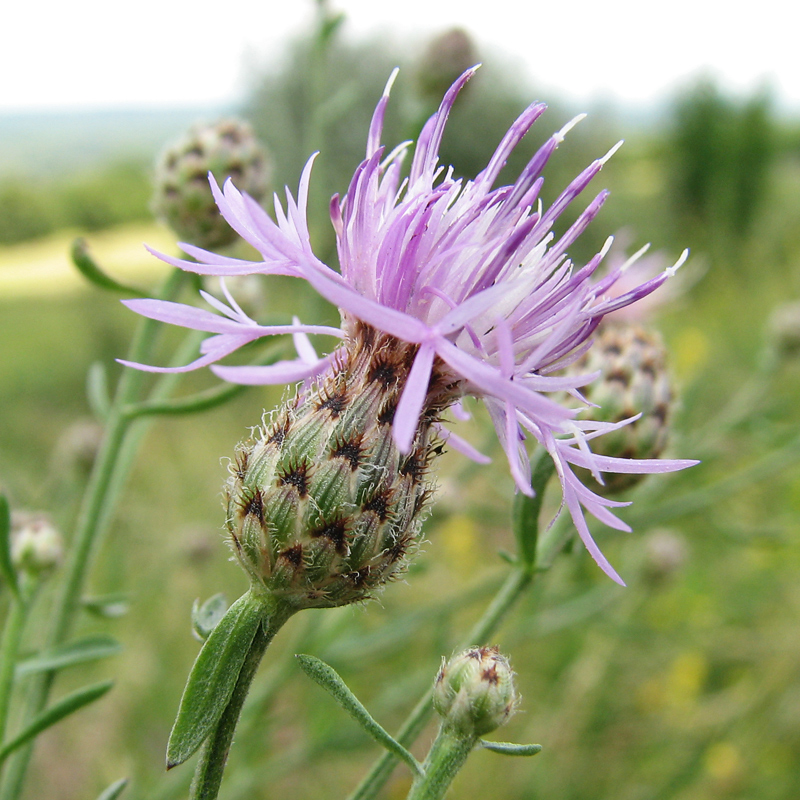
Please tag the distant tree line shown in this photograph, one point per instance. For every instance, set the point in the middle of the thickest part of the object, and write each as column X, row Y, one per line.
column 716, row 153
column 113, row 194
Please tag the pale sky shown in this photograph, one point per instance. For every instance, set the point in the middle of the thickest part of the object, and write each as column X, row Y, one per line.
column 92, row 53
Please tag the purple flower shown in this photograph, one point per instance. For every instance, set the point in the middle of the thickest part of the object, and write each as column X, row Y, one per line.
column 468, row 272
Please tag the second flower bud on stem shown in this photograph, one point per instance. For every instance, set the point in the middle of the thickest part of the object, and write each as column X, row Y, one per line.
column 474, row 694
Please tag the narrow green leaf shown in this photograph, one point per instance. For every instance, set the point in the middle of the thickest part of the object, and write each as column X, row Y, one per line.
column 329, row 680
column 6, row 567
column 509, row 558
column 115, row 790
column 90, row 270
column 204, row 400
column 213, row 677
column 90, row 648
column 63, row 708
column 526, row 509
column 207, row 616
column 97, row 390
column 509, row 749
column 191, row 404
column 108, row 606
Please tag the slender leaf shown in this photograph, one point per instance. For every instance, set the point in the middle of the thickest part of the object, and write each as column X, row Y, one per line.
column 90, row 270
column 204, row 400
column 6, row 567
column 329, row 680
column 108, row 606
column 213, row 677
column 63, row 708
column 207, row 616
column 97, row 390
column 509, row 749
column 526, row 509
column 191, row 404
column 115, row 790
column 90, row 648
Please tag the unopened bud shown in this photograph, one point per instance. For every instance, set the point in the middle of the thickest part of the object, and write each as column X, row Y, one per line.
column 474, row 692
column 634, row 380
column 449, row 55
column 77, row 447
column 36, row 544
column 784, row 331
column 665, row 554
column 183, row 199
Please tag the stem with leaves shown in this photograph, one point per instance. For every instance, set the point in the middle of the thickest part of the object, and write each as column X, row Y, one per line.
column 214, row 753
column 12, row 637
column 446, row 757
column 92, row 521
column 535, row 553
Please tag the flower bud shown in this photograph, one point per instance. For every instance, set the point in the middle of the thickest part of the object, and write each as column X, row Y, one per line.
column 183, row 198
column 323, row 508
column 665, row 554
column 77, row 447
column 784, row 331
column 446, row 57
column 36, row 544
column 474, row 692
column 633, row 380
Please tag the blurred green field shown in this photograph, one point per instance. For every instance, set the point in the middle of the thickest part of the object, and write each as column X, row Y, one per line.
column 681, row 687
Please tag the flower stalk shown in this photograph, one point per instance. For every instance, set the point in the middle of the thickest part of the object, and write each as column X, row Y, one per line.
column 547, row 547
column 12, row 638
column 447, row 756
column 94, row 516
column 214, row 752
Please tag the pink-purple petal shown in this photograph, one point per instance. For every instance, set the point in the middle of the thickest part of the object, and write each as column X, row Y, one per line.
column 409, row 407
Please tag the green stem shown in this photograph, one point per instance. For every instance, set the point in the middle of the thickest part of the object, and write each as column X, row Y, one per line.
column 92, row 521
column 549, row 545
column 214, row 753
column 511, row 590
column 88, row 530
column 12, row 638
column 446, row 757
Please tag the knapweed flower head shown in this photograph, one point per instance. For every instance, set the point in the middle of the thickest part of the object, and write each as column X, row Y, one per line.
column 452, row 288
column 634, row 387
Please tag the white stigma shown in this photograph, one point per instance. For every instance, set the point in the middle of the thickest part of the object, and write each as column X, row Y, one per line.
column 678, row 264
column 634, row 258
column 392, row 78
column 611, row 152
column 559, row 137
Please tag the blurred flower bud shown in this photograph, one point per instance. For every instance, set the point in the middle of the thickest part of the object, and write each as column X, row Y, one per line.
column 784, row 331
column 323, row 508
column 634, row 380
column 183, row 199
column 77, row 447
column 36, row 544
column 250, row 292
column 474, row 692
column 665, row 554
column 446, row 57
